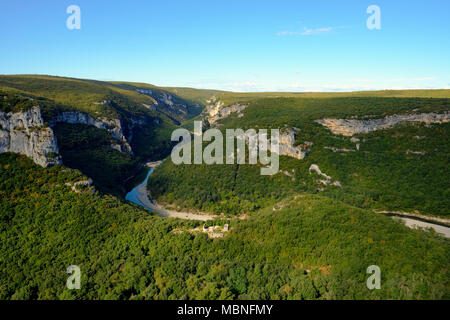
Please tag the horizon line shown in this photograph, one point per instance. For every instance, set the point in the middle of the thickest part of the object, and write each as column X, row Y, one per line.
column 212, row 89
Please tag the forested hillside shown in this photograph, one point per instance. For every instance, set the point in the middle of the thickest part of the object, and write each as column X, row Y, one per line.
column 313, row 247
column 137, row 122
column 403, row 168
column 84, row 95
column 291, row 236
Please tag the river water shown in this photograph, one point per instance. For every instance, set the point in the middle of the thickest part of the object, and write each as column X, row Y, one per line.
column 134, row 194
column 139, row 196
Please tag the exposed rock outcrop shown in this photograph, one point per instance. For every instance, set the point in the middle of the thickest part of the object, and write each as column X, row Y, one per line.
column 334, row 149
column 287, row 148
column 79, row 186
column 356, row 142
column 166, row 99
column 415, row 152
column 114, row 126
column 217, row 111
column 149, row 107
column 285, row 143
column 327, row 181
column 166, row 102
column 289, row 174
column 349, row 127
column 24, row 133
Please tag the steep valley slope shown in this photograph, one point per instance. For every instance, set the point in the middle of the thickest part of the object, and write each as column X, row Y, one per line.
column 70, row 149
column 393, row 155
column 60, row 120
column 313, row 247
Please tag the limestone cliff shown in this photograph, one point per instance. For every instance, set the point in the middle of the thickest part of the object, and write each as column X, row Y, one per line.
column 217, row 111
column 24, row 133
column 285, row 143
column 349, row 127
column 287, row 148
column 114, row 126
column 167, row 103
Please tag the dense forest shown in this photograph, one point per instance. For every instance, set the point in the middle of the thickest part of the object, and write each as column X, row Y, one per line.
column 290, row 237
column 312, row 247
column 383, row 174
column 88, row 148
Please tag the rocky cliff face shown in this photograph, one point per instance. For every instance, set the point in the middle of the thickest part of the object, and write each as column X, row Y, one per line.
column 286, row 145
column 166, row 103
column 327, row 181
column 349, row 127
column 114, row 126
column 24, row 133
column 216, row 111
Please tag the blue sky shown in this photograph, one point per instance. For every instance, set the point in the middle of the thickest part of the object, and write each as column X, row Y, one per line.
column 241, row 45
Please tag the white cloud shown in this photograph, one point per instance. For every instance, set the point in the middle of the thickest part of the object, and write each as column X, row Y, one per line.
column 309, row 85
column 308, row 31
column 412, row 79
column 296, row 85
